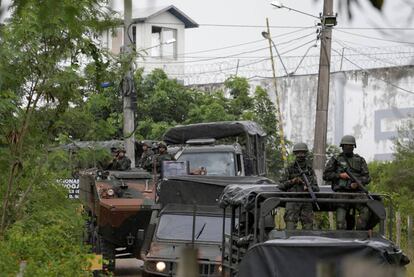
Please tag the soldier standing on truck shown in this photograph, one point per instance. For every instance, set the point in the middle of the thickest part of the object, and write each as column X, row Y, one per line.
column 292, row 181
column 162, row 155
column 146, row 157
column 348, row 172
column 121, row 162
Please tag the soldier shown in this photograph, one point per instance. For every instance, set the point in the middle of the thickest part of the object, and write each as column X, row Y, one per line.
column 335, row 174
column 293, row 182
column 162, row 155
column 146, row 156
column 121, row 162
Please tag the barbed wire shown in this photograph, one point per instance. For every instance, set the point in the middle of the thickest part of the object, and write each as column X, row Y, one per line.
column 252, row 67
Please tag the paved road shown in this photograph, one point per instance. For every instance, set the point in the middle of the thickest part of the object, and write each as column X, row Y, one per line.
column 128, row 267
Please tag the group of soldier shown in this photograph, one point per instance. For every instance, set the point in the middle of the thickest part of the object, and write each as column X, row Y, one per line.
column 337, row 174
column 149, row 160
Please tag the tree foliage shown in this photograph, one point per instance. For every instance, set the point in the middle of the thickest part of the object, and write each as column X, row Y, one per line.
column 395, row 177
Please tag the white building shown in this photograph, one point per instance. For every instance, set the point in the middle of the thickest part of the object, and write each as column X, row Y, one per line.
column 159, row 35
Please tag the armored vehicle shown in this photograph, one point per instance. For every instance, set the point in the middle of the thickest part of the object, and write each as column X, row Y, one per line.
column 185, row 218
column 228, row 148
column 119, row 206
column 254, row 247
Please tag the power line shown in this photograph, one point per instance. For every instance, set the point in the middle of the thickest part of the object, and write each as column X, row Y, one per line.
column 246, row 43
column 366, row 71
column 363, row 54
column 233, row 25
column 381, row 39
column 237, row 54
column 244, row 65
column 283, row 26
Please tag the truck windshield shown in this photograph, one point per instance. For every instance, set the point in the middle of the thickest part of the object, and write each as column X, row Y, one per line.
column 180, row 227
column 218, row 164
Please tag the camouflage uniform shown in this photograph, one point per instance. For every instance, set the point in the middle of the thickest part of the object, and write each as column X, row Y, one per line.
column 291, row 181
column 122, row 164
column 162, row 156
column 146, row 159
column 358, row 167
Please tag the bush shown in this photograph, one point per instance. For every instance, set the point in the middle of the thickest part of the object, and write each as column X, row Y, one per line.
column 49, row 238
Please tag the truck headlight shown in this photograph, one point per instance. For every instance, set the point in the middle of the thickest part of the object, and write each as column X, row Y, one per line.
column 160, row 266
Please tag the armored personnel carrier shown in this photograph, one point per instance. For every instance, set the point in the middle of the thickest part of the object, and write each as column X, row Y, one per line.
column 255, row 247
column 119, row 206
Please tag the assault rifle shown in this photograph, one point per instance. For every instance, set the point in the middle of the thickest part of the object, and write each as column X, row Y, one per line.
column 357, row 181
column 308, row 185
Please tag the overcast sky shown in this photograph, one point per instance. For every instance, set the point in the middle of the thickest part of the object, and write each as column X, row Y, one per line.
column 254, row 12
column 396, row 13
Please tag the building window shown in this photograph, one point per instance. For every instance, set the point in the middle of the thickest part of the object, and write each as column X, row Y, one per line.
column 159, row 47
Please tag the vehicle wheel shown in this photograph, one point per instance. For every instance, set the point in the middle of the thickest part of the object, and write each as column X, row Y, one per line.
column 107, row 250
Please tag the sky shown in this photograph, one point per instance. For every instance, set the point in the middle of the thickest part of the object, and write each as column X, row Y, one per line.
column 254, row 12
column 289, row 33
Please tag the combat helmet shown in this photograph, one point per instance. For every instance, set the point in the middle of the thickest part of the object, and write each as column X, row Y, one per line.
column 162, row 145
column 349, row 140
column 300, row 146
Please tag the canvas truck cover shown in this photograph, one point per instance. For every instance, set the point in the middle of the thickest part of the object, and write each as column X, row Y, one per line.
column 243, row 195
column 202, row 190
column 300, row 256
column 216, row 130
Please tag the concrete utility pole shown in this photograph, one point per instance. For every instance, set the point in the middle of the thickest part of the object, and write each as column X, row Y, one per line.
column 278, row 110
column 321, row 119
column 128, row 89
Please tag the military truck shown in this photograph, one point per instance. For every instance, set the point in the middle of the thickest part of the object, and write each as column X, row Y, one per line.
column 185, row 218
column 254, row 247
column 228, row 148
column 119, row 206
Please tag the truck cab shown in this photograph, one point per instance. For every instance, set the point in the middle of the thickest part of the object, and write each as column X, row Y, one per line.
column 228, row 148
column 215, row 160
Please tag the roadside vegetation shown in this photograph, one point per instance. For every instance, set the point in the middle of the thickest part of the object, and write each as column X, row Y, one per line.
column 48, row 98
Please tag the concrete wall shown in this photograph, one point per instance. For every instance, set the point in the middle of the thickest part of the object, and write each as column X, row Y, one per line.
column 360, row 104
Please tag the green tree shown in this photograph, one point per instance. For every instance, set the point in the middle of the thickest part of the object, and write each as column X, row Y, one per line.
column 265, row 114
column 39, row 72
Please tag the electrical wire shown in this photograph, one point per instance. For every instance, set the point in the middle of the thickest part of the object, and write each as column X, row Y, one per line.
column 366, row 71
column 246, row 43
column 363, row 54
column 235, row 55
column 381, row 39
column 241, row 66
column 284, row 27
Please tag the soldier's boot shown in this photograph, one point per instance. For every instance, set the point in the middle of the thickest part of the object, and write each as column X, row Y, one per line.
column 340, row 219
column 290, row 225
column 363, row 218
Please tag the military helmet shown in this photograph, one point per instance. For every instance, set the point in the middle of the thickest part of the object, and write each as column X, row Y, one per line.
column 147, row 143
column 350, row 140
column 162, row 145
column 300, row 147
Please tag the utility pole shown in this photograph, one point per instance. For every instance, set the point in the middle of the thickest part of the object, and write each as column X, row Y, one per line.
column 321, row 119
column 128, row 89
column 278, row 110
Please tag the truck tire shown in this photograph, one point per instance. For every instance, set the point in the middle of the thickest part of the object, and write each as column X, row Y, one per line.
column 107, row 250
